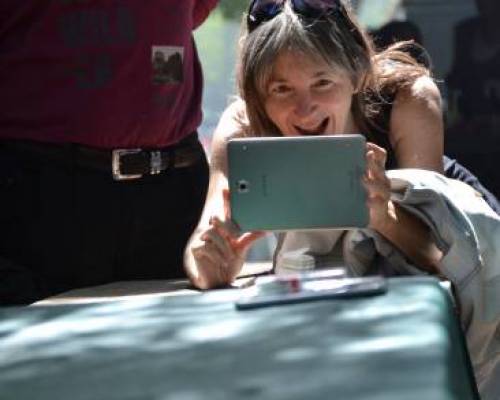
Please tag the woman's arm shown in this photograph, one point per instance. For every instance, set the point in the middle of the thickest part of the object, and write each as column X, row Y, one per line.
column 217, row 249
column 416, row 135
column 404, row 230
column 416, row 127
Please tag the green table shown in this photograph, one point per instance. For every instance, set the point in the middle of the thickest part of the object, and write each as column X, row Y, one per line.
column 402, row 345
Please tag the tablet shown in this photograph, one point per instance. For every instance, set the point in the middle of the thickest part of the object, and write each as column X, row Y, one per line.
column 297, row 183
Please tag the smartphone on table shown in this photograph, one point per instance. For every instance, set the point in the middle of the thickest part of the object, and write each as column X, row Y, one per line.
column 299, row 288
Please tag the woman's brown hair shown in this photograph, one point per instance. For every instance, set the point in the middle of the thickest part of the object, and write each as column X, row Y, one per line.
column 336, row 39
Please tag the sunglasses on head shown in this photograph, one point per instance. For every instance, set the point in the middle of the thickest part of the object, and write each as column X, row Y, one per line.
column 261, row 11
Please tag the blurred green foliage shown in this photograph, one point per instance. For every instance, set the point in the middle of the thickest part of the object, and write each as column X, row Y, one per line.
column 233, row 8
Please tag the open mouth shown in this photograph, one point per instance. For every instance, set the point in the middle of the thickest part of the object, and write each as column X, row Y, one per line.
column 319, row 130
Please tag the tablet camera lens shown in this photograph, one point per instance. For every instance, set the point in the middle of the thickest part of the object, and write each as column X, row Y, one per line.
column 243, row 186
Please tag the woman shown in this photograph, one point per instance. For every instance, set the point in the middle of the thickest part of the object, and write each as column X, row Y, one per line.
column 307, row 68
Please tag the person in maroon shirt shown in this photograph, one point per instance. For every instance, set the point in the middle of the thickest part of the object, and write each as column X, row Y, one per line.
column 102, row 175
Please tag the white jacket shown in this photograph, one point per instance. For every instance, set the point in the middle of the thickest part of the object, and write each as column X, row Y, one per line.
column 466, row 230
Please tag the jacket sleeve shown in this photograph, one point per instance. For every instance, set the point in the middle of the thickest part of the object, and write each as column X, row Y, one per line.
column 202, row 9
column 469, row 231
column 465, row 229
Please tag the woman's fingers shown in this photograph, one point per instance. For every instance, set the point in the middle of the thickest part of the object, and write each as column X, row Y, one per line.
column 211, row 257
column 216, row 269
column 207, row 249
column 377, row 189
column 226, row 229
column 377, row 185
column 220, row 242
column 227, row 204
column 376, row 156
column 221, row 247
column 238, row 242
column 380, row 153
column 247, row 239
column 376, row 181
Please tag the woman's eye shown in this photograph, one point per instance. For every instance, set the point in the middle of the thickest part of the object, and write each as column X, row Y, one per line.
column 324, row 84
column 280, row 90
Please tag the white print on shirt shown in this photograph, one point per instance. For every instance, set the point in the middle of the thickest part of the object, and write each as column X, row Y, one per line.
column 167, row 63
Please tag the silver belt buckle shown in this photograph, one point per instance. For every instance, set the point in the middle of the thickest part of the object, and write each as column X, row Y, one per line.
column 115, row 164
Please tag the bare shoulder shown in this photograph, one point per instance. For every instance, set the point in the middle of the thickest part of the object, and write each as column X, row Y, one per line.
column 419, row 104
column 423, row 95
column 416, row 127
column 232, row 124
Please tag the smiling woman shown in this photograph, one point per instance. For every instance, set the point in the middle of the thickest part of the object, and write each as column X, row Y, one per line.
column 307, row 68
column 306, row 97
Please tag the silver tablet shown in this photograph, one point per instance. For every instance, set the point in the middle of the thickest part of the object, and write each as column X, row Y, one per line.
column 306, row 182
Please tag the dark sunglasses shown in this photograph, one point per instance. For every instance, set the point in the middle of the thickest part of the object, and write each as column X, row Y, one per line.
column 264, row 10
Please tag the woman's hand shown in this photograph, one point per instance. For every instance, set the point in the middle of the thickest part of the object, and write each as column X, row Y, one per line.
column 219, row 251
column 408, row 233
column 378, row 187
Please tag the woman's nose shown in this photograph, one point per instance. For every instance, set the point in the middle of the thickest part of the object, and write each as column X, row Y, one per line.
column 304, row 105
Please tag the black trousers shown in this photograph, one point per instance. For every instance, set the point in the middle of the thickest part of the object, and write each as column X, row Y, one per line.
column 64, row 227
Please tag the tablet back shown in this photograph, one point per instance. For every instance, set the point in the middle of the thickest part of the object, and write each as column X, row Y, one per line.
column 286, row 183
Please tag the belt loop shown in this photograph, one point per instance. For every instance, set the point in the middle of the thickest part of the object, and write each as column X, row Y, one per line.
column 155, row 162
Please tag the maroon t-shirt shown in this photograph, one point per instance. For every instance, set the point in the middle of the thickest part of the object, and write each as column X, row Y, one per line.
column 103, row 73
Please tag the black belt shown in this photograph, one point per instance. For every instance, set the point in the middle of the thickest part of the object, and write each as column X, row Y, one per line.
column 124, row 164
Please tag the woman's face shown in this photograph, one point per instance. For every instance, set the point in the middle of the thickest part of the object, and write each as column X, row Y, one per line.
column 306, row 97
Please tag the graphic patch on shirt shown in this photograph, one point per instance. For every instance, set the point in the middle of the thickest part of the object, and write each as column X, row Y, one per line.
column 167, row 64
